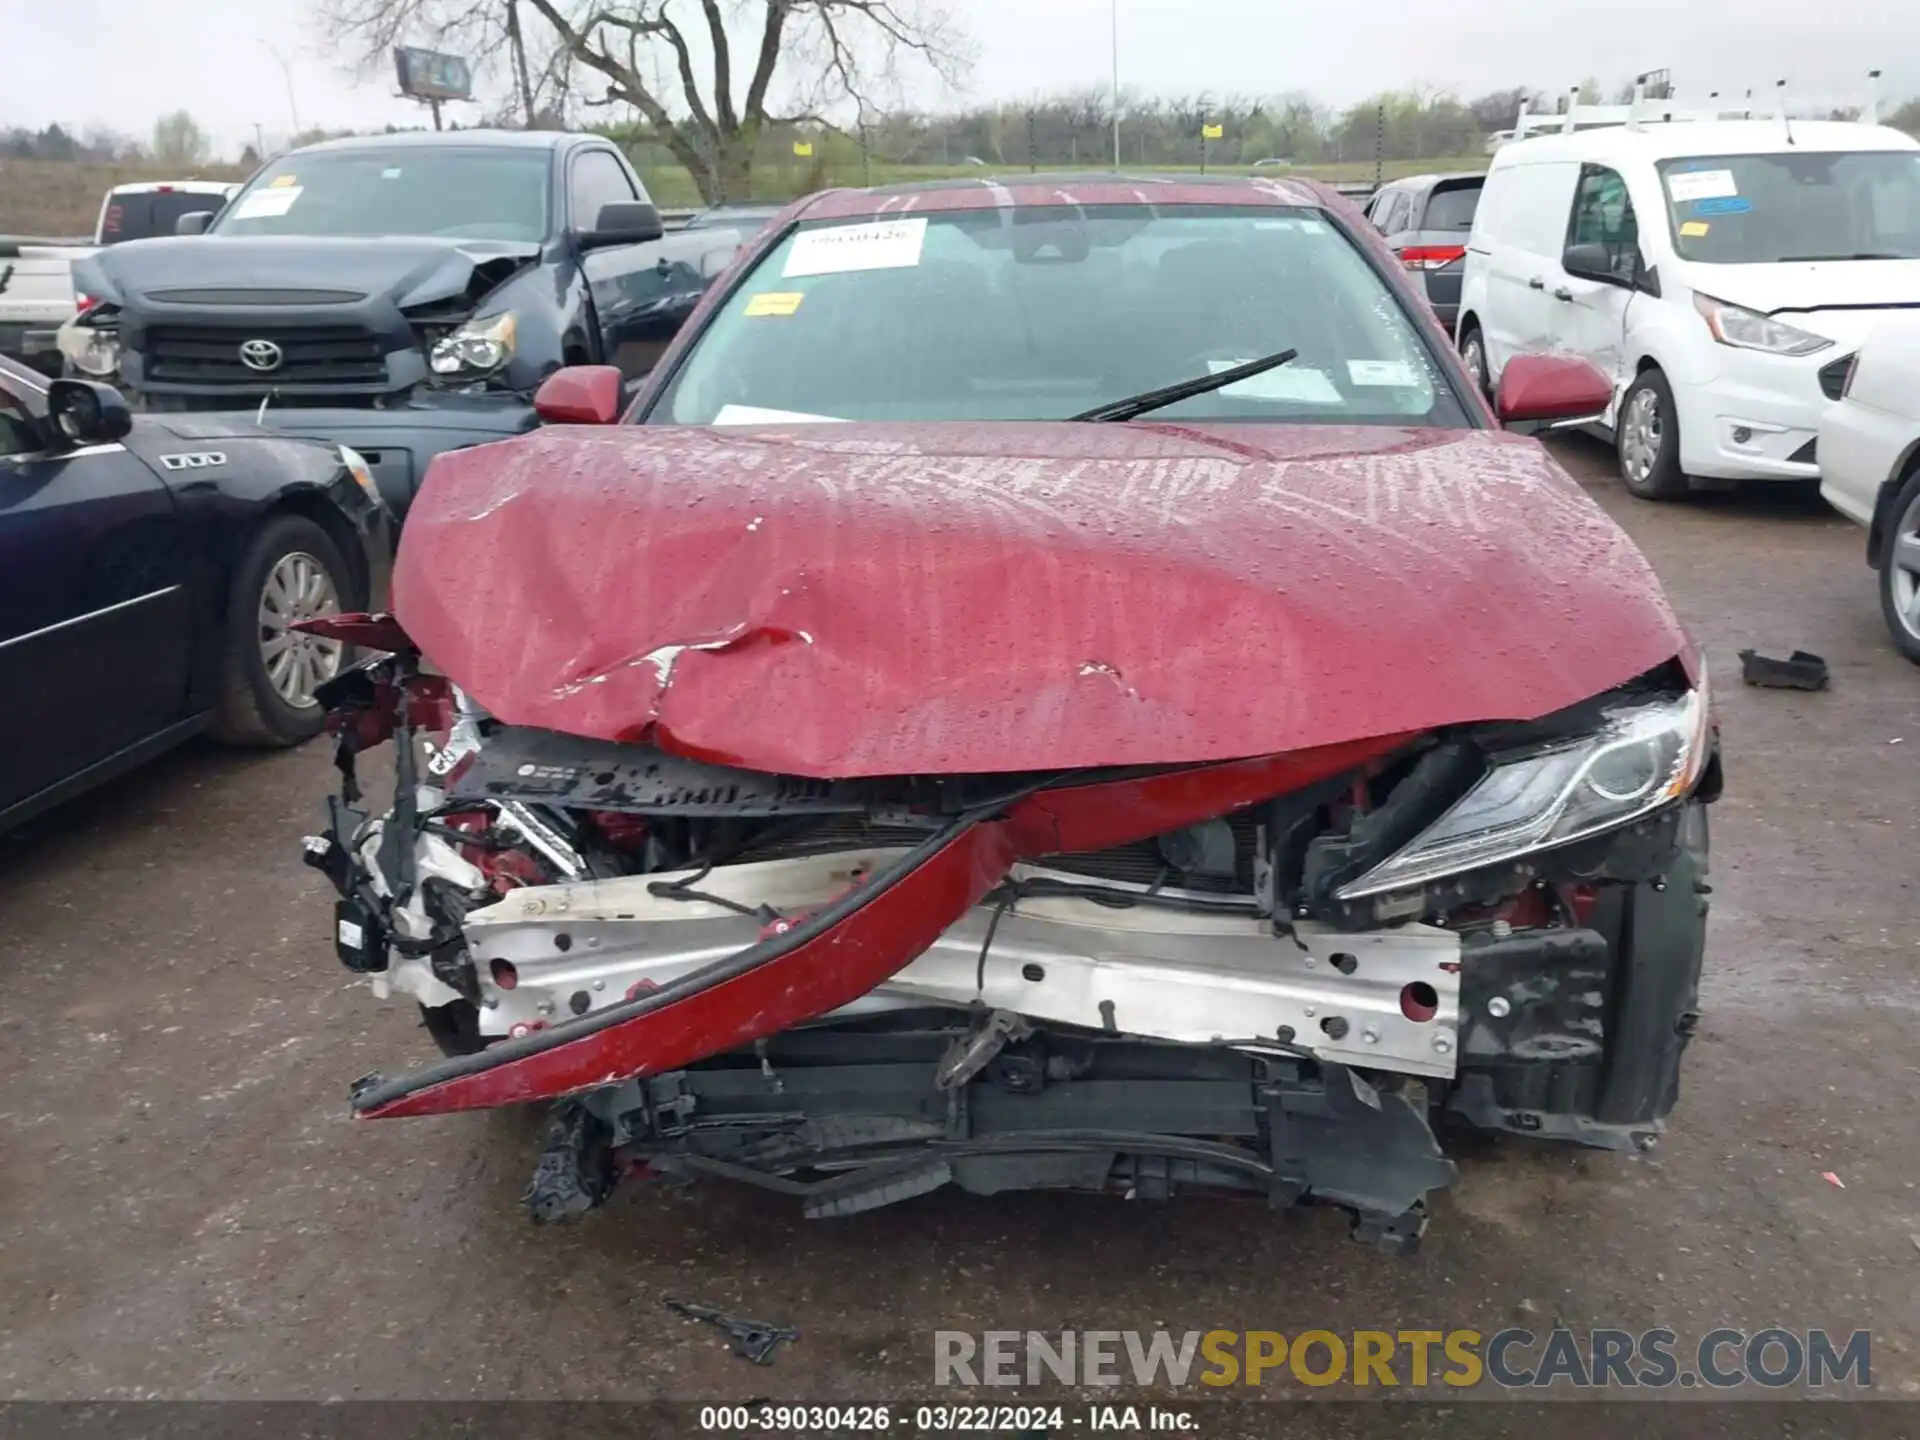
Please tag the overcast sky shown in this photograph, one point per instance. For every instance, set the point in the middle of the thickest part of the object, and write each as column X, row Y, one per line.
column 121, row 63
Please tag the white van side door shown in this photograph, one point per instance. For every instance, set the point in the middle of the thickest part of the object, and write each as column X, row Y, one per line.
column 1599, row 264
column 1523, row 262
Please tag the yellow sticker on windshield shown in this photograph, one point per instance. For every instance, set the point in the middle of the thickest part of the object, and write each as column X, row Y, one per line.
column 1693, row 229
column 280, row 182
column 775, row 302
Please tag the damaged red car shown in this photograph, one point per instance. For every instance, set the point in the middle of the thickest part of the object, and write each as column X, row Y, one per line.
column 1060, row 684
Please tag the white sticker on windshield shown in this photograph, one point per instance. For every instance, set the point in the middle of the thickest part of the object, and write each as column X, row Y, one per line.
column 882, row 245
column 274, row 200
column 1305, row 386
column 755, row 415
column 1381, row 372
column 1685, row 185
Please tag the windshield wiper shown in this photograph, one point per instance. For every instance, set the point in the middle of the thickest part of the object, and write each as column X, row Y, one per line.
column 1858, row 255
column 1184, row 390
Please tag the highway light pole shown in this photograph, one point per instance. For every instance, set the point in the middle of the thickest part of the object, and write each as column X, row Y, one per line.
column 1116, row 83
column 286, row 70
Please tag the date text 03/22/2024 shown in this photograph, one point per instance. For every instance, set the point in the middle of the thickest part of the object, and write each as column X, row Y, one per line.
column 946, row 1419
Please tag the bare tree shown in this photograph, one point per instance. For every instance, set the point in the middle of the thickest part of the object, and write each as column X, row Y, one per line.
column 835, row 52
column 179, row 140
column 480, row 28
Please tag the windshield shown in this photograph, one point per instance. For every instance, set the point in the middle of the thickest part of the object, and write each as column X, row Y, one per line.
column 1043, row 312
column 470, row 194
column 1818, row 205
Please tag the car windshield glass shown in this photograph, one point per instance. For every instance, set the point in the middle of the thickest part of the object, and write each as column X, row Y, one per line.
column 1813, row 205
column 1451, row 209
column 1042, row 312
column 470, row 194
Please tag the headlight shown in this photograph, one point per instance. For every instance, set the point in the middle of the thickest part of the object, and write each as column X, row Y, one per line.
column 1750, row 330
column 1643, row 756
column 90, row 349
column 477, row 348
column 356, row 465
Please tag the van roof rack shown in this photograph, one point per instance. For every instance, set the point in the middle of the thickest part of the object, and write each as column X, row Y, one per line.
column 1653, row 105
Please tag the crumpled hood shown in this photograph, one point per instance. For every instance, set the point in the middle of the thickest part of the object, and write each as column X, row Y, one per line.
column 408, row 271
column 844, row 600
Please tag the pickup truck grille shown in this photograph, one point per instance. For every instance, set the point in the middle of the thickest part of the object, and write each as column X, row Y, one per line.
column 310, row 355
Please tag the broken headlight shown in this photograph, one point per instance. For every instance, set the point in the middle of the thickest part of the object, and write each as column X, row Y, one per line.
column 476, row 349
column 1645, row 754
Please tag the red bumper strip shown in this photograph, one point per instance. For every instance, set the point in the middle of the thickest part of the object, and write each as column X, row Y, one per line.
column 878, row 935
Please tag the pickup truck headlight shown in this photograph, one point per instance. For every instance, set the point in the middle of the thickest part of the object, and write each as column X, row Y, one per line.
column 1645, row 755
column 91, row 349
column 477, row 348
column 1750, row 330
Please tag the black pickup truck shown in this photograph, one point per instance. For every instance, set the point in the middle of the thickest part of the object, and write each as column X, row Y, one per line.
column 401, row 295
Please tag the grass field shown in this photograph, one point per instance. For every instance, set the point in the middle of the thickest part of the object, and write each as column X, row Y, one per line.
column 672, row 187
column 40, row 197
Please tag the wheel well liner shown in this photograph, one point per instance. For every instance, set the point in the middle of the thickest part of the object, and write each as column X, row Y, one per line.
column 1903, row 471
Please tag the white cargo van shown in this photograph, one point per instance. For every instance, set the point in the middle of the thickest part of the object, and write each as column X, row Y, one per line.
column 1721, row 272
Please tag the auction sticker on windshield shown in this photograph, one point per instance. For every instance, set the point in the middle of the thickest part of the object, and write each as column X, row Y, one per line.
column 271, row 201
column 1303, row 385
column 1687, row 185
column 881, row 245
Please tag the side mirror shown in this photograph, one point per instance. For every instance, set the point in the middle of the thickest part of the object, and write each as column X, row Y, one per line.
column 1541, row 390
column 1602, row 263
column 579, row 395
column 194, row 222
column 625, row 222
column 85, row 412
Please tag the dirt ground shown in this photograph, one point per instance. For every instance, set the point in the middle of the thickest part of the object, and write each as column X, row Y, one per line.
column 187, row 1211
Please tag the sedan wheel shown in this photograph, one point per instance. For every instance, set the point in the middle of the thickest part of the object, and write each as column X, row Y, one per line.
column 1900, row 572
column 298, row 587
column 291, row 571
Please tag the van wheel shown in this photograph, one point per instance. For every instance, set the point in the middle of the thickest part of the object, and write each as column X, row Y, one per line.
column 1473, row 354
column 1648, row 436
column 1900, row 571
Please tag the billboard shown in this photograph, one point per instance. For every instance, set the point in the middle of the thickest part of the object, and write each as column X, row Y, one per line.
column 430, row 75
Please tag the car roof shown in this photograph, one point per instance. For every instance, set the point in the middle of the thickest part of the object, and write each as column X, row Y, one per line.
column 189, row 187
column 1681, row 139
column 991, row 192
column 449, row 140
column 1427, row 182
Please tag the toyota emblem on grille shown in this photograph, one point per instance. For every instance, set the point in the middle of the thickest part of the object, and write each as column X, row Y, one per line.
column 260, row 355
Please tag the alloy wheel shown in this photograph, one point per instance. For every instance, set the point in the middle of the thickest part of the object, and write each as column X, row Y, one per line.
column 1903, row 568
column 298, row 587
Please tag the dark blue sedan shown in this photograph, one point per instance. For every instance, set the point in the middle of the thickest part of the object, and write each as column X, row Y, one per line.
column 151, row 570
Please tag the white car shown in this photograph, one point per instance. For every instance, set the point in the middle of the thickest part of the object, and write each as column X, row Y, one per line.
column 1870, row 467
column 1720, row 272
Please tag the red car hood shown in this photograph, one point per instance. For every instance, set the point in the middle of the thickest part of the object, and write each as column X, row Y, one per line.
column 845, row 600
